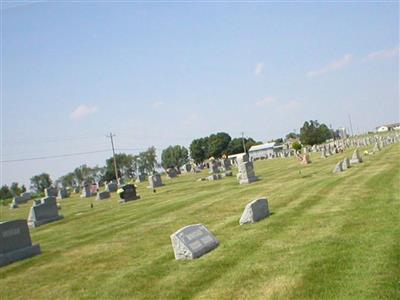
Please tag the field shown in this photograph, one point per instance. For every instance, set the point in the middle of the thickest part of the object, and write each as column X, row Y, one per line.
column 330, row 236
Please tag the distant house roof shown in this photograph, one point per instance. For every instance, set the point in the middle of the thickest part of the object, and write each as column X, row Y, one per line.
column 235, row 155
column 389, row 125
column 262, row 147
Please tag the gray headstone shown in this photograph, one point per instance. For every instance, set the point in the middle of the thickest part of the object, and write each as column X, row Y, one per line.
column 86, row 192
column 19, row 200
column 255, row 211
column 246, row 172
column 155, row 181
column 356, row 158
column 15, row 242
column 338, row 167
column 62, row 193
column 111, row 187
column 103, row 195
column 27, row 196
column 44, row 212
column 50, row 192
column 193, row 241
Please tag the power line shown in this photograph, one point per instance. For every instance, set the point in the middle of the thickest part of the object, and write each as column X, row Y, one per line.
column 115, row 161
column 54, row 156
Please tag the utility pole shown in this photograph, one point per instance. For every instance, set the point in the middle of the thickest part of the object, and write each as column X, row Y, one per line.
column 351, row 126
column 244, row 146
column 115, row 161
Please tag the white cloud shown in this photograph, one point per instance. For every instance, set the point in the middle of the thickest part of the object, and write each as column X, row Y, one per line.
column 157, row 104
column 258, row 69
column 82, row 111
column 332, row 66
column 383, row 54
column 291, row 105
column 267, row 101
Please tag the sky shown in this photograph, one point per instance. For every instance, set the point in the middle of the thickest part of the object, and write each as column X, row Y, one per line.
column 165, row 73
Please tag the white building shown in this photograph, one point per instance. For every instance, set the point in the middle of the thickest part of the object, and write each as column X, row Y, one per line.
column 266, row 150
column 389, row 127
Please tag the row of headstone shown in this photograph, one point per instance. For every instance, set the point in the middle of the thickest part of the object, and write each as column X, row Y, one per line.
column 193, row 241
column 345, row 164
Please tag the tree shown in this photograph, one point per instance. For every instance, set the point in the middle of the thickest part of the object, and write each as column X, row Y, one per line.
column 23, row 189
column 148, row 161
column 174, row 156
column 218, row 144
column 68, row 180
column 82, row 174
column 199, row 150
column 40, row 182
column 236, row 145
column 125, row 167
column 296, row 145
column 292, row 135
column 15, row 189
column 5, row 192
column 313, row 133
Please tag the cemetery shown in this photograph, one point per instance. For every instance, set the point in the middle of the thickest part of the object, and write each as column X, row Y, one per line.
column 282, row 225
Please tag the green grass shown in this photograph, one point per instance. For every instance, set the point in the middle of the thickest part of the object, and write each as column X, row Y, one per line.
column 331, row 236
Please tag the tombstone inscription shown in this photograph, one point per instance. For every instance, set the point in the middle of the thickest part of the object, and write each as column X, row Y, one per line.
column 192, row 242
column 15, row 242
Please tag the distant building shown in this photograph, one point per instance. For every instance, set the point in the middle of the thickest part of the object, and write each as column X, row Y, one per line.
column 267, row 150
column 388, row 127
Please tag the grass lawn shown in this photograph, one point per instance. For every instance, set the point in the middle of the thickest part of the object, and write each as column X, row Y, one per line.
column 331, row 236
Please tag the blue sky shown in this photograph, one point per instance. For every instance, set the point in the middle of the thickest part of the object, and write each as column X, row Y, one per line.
column 166, row 73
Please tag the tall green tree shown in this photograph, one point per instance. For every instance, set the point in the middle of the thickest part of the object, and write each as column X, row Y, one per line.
column 236, row 145
column 148, row 161
column 199, row 150
column 5, row 192
column 313, row 133
column 174, row 156
column 40, row 182
column 125, row 166
column 218, row 144
column 15, row 189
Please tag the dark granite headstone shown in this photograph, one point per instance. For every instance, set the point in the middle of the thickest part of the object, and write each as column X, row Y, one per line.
column 103, row 195
column 128, row 193
column 15, row 242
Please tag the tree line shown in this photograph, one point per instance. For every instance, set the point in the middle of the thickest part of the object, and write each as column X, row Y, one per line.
column 130, row 166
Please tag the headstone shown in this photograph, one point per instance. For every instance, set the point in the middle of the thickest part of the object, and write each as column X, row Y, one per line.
column 338, row 167
column 155, row 181
column 323, row 153
column 255, row 211
column 13, row 204
column 214, row 177
column 103, row 195
column 306, row 159
column 50, row 192
column 226, row 164
column 44, row 212
column 246, row 171
column 186, row 168
column 140, row 178
column 127, row 193
column 15, row 242
column 192, row 242
column 27, row 196
column 377, row 147
column 345, row 164
column 228, row 173
column 19, row 200
column 62, row 193
column 111, row 187
column 93, row 189
column 86, row 192
column 213, row 167
column 77, row 190
column 171, row 173
column 356, row 158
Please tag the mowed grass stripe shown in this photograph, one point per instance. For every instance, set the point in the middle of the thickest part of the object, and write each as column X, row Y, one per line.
column 136, row 261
